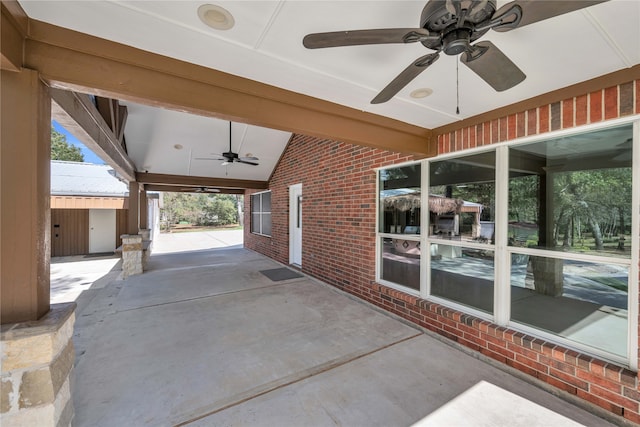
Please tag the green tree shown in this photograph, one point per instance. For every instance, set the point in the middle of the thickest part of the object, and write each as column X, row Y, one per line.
column 62, row 150
column 200, row 209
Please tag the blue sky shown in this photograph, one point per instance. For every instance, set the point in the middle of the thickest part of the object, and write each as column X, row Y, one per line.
column 89, row 156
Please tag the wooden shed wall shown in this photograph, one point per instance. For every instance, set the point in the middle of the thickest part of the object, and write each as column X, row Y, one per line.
column 69, row 232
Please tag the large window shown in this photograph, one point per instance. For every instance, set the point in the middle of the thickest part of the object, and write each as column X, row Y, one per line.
column 462, row 229
column 399, row 225
column 569, row 235
column 261, row 213
column 535, row 235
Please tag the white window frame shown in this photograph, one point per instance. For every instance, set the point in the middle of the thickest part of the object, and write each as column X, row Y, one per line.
column 261, row 213
column 502, row 252
column 410, row 237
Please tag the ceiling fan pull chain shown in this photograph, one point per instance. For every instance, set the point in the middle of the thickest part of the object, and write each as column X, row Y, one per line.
column 457, row 87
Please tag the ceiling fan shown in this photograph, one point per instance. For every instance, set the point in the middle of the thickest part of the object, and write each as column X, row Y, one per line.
column 230, row 157
column 450, row 26
column 200, row 190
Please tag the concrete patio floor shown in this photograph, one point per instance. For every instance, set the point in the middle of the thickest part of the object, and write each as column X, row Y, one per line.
column 203, row 338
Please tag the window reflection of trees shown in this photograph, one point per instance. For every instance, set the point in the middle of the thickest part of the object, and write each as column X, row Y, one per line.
column 573, row 193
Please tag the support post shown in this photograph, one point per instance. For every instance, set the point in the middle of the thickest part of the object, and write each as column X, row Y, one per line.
column 133, row 225
column 25, row 197
column 35, row 337
column 143, row 209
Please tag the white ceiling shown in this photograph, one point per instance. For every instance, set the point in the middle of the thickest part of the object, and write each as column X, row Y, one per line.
column 266, row 45
column 173, row 142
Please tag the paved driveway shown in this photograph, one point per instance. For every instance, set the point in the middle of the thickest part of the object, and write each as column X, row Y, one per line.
column 206, row 338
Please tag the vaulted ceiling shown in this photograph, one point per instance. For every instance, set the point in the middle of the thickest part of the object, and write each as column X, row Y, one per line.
column 265, row 45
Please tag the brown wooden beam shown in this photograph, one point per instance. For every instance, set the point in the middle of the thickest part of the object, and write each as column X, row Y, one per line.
column 77, row 114
column 72, row 60
column 13, row 30
column 123, row 113
column 199, row 181
column 189, row 189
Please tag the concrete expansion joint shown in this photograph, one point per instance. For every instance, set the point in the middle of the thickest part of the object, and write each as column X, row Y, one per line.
column 219, row 294
column 293, row 379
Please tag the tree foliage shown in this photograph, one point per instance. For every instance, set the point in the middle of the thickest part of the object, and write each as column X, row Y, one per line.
column 200, row 209
column 62, row 150
column 590, row 201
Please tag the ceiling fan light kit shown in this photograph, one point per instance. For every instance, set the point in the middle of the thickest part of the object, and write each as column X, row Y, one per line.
column 451, row 27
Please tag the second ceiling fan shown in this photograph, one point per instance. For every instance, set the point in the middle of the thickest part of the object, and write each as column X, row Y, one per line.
column 230, row 157
column 450, row 26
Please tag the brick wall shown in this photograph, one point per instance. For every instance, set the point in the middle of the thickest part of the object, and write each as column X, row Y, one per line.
column 338, row 185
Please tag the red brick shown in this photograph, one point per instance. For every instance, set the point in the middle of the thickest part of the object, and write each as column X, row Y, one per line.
column 523, row 351
column 614, row 398
column 626, row 99
column 598, row 401
column 479, row 135
column 501, row 350
column 543, row 119
column 503, row 124
column 611, row 103
column 556, row 115
column 512, row 127
column 532, row 121
column 569, row 379
column 582, row 110
column 595, row 106
column 631, row 393
column 599, row 381
column 486, row 134
column 495, row 131
column 558, row 383
column 532, row 364
column 637, row 96
column 567, row 113
column 522, row 368
column 472, row 137
column 632, row 416
column 521, row 124
column 459, row 140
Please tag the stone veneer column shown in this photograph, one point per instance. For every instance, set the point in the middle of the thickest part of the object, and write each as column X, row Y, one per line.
column 131, row 255
column 37, row 362
column 147, row 245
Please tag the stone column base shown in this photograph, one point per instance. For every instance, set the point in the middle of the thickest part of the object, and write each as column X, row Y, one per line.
column 132, row 259
column 37, row 363
column 147, row 246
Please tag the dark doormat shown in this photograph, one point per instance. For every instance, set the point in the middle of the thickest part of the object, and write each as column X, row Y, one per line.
column 99, row 254
column 278, row 274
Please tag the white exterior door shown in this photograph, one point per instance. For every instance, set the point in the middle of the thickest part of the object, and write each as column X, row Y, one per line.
column 295, row 224
column 102, row 230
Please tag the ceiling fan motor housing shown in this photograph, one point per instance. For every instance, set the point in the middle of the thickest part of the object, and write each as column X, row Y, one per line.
column 456, row 36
